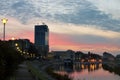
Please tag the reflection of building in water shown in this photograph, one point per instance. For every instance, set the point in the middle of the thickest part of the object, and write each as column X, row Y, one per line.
column 77, row 67
column 112, row 69
column 92, row 67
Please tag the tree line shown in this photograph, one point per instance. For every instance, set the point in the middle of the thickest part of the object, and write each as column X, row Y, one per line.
column 9, row 60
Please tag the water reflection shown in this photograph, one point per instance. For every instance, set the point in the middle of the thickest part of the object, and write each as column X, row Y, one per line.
column 112, row 69
column 83, row 71
column 79, row 67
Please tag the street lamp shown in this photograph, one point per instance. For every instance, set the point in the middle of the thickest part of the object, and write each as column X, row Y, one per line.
column 4, row 21
column 13, row 38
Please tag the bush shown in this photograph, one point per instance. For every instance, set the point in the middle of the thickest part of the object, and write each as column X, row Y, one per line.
column 9, row 59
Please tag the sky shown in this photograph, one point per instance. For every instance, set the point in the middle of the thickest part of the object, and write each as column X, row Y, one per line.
column 79, row 25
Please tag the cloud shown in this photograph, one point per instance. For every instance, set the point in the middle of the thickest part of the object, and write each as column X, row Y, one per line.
column 112, row 7
column 16, row 29
column 74, row 24
column 82, row 30
column 81, row 12
column 67, row 36
column 65, row 42
column 79, row 34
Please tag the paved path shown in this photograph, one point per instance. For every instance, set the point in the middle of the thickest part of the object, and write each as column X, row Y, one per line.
column 42, row 68
column 22, row 73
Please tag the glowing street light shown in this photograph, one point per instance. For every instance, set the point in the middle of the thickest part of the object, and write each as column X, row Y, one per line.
column 4, row 21
column 13, row 38
column 16, row 44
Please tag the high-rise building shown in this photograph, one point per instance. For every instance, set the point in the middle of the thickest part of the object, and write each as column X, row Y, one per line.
column 42, row 39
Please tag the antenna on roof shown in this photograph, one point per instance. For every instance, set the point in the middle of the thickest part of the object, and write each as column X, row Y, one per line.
column 43, row 23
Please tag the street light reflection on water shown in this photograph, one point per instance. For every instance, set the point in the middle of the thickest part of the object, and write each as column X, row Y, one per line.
column 86, row 72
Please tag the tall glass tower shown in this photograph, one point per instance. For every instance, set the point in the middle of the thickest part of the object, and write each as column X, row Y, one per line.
column 42, row 39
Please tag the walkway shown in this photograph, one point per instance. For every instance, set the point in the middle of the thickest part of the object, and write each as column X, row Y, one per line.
column 22, row 73
column 41, row 66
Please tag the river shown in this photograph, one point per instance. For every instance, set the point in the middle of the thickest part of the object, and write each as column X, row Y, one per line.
column 80, row 71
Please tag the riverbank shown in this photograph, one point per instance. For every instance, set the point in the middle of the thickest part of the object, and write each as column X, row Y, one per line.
column 22, row 73
column 37, row 69
column 42, row 70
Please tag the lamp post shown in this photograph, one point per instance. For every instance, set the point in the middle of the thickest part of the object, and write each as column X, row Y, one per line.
column 13, row 44
column 4, row 21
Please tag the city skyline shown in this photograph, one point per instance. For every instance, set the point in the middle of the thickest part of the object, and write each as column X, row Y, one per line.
column 85, row 25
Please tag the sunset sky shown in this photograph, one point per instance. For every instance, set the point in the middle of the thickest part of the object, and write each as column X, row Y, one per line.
column 80, row 25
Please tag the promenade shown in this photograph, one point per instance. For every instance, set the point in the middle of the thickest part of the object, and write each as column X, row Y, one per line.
column 41, row 66
column 22, row 73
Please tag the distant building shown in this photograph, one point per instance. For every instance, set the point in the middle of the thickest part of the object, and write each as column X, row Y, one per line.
column 58, row 54
column 63, row 55
column 22, row 46
column 107, row 57
column 118, row 57
column 78, row 56
column 42, row 39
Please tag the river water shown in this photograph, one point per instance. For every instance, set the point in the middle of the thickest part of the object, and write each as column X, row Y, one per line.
column 88, row 71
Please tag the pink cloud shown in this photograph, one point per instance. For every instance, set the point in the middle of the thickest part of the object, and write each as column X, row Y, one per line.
column 64, row 42
column 22, row 35
column 59, row 41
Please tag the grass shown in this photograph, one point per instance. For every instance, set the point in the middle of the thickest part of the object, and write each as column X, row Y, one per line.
column 50, row 71
column 36, row 73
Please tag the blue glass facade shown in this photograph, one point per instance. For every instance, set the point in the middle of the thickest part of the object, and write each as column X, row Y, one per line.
column 42, row 39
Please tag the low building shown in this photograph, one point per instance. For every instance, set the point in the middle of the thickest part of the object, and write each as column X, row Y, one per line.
column 58, row 54
column 107, row 57
column 117, row 58
column 78, row 56
column 63, row 55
